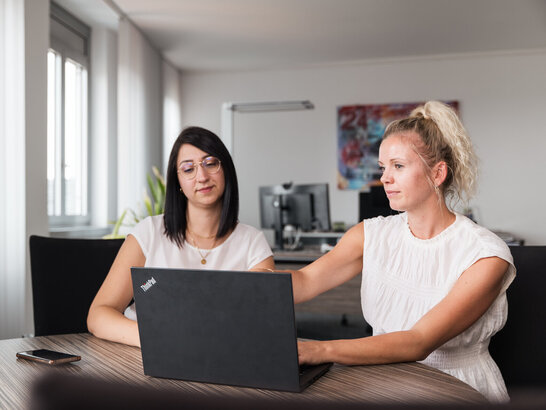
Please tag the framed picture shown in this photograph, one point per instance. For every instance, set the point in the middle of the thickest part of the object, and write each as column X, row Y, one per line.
column 360, row 130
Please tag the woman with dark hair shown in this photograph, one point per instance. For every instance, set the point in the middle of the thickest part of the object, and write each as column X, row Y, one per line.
column 198, row 230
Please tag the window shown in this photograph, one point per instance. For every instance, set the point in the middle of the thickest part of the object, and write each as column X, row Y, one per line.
column 67, row 113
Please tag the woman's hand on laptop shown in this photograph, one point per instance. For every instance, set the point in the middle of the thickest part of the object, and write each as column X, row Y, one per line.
column 312, row 352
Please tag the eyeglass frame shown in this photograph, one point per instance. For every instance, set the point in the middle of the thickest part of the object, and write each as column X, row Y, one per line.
column 197, row 164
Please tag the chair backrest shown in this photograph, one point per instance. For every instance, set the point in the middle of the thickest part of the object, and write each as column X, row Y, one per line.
column 519, row 349
column 66, row 275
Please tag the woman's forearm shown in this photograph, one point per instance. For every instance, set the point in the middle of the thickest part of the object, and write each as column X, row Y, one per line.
column 404, row 346
column 108, row 323
column 304, row 288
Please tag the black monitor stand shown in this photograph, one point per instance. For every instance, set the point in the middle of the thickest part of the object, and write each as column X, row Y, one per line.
column 278, row 203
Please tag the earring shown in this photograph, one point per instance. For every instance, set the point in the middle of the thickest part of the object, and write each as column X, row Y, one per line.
column 180, row 189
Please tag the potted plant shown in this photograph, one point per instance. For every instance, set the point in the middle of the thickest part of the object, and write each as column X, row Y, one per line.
column 154, row 204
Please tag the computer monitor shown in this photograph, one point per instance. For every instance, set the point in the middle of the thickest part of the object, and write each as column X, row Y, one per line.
column 374, row 203
column 305, row 207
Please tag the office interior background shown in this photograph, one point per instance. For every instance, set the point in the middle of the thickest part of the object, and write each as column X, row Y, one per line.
column 156, row 67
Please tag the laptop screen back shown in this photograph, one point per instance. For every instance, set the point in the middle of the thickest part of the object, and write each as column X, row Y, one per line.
column 222, row 327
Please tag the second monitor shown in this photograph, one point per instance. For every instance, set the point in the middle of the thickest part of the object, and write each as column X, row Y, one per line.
column 374, row 203
column 305, row 207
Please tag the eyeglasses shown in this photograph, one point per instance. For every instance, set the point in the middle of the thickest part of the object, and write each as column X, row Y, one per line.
column 188, row 169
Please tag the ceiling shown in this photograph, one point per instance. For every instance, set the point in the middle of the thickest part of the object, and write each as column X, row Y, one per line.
column 266, row 34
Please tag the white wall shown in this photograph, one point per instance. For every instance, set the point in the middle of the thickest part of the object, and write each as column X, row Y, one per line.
column 502, row 100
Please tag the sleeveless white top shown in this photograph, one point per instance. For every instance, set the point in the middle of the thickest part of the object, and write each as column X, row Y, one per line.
column 243, row 249
column 404, row 277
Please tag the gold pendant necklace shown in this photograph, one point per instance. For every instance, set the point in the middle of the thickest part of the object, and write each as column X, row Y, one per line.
column 193, row 234
column 203, row 257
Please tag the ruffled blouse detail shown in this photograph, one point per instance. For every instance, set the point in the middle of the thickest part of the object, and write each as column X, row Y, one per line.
column 404, row 277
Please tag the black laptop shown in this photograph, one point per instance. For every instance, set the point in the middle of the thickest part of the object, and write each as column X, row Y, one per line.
column 225, row 327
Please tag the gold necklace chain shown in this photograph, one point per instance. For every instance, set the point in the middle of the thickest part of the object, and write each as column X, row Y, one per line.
column 201, row 236
column 203, row 257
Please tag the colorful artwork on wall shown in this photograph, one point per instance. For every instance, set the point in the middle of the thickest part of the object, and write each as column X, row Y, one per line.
column 360, row 130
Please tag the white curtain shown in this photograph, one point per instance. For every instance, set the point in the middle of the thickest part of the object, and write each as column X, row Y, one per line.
column 12, row 169
column 103, row 141
column 24, row 28
column 171, row 110
column 139, row 113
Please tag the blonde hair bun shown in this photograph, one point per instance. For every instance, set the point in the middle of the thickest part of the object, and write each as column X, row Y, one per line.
column 444, row 138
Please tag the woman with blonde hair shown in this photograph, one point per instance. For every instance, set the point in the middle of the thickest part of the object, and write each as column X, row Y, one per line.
column 433, row 282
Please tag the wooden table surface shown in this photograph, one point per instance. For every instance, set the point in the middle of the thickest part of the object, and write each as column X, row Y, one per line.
column 394, row 383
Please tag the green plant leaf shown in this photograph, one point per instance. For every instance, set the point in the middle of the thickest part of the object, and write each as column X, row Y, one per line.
column 148, row 204
column 112, row 236
column 151, row 186
column 158, row 175
column 154, row 205
column 117, row 224
column 160, row 183
column 136, row 218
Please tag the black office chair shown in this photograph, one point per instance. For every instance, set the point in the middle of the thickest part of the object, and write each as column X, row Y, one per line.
column 519, row 348
column 66, row 275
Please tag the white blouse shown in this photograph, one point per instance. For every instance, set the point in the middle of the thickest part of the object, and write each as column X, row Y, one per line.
column 243, row 249
column 404, row 277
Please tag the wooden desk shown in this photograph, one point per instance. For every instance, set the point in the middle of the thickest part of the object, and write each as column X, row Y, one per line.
column 395, row 383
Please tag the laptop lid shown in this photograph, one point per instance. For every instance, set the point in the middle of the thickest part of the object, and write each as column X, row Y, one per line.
column 226, row 327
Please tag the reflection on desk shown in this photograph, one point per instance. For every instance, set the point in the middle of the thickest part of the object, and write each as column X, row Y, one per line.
column 394, row 383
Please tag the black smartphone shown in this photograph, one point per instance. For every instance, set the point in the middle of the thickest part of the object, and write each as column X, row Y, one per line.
column 48, row 356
